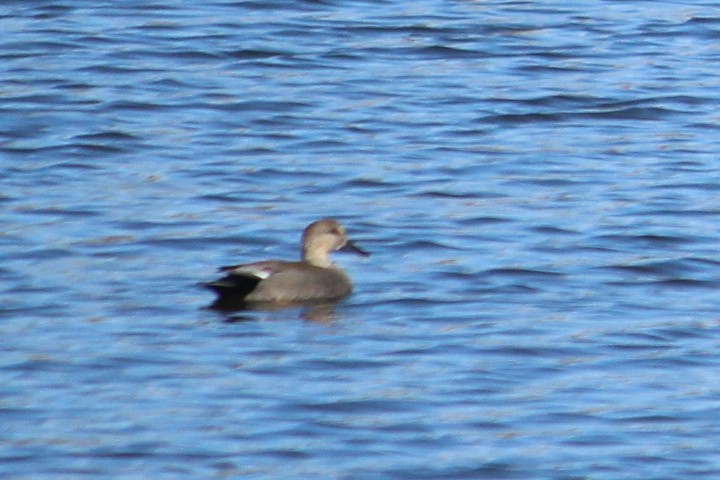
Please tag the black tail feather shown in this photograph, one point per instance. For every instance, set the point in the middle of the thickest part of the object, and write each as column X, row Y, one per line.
column 236, row 286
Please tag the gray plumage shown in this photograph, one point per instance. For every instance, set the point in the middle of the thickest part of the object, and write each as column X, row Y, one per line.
column 313, row 278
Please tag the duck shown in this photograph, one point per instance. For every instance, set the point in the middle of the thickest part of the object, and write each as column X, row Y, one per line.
column 314, row 278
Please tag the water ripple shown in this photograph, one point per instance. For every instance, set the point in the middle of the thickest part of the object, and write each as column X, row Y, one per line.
column 536, row 184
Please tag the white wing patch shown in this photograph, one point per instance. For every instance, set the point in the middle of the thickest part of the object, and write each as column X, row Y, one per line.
column 258, row 271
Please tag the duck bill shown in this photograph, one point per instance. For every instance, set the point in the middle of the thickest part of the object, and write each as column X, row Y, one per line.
column 351, row 247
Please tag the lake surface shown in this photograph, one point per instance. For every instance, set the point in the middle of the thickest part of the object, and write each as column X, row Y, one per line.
column 537, row 182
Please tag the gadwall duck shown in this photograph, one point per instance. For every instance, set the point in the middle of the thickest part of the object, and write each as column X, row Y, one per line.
column 314, row 278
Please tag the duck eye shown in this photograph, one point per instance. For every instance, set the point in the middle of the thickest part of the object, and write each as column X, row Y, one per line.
column 335, row 231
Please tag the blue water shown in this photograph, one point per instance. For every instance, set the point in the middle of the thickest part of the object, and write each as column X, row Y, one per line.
column 538, row 183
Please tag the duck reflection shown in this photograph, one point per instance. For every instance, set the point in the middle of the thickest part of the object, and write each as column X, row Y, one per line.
column 239, row 311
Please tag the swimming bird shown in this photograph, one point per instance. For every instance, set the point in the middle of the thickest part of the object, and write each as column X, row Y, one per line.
column 314, row 278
